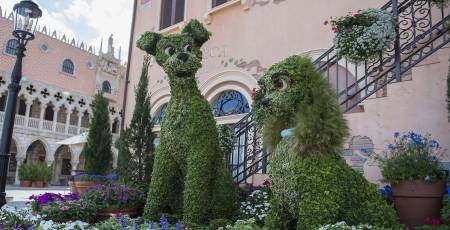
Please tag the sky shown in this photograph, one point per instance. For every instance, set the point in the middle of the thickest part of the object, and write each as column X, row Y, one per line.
column 86, row 20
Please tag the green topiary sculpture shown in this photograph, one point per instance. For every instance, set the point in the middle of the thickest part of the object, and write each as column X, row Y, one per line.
column 189, row 175
column 312, row 185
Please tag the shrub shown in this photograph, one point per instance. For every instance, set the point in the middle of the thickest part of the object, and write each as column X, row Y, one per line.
column 136, row 149
column 97, row 150
column 411, row 157
column 42, row 171
column 249, row 224
column 226, row 139
column 445, row 211
column 364, row 35
column 94, row 178
column 217, row 223
column 26, row 173
column 122, row 196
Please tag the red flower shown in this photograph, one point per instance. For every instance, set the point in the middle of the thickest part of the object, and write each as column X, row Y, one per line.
column 358, row 13
column 117, row 215
column 426, row 220
column 436, row 222
column 326, row 22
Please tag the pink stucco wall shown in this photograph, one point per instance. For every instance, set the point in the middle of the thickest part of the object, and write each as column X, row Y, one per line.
column 248, row 38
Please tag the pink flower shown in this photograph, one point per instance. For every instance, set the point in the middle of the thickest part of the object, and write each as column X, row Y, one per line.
column 349, row 29
column 118, row 215
column 358, row 13
column 436, row 222
column 326, row 22
column 253, row 92
column 334, row 29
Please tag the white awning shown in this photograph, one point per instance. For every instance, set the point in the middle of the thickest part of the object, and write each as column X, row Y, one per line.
column 79, row 139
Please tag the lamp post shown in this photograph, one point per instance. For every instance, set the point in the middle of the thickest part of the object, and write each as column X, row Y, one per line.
column 26, row 15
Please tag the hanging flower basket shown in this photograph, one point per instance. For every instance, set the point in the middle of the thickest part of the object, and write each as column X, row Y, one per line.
column 363, row 35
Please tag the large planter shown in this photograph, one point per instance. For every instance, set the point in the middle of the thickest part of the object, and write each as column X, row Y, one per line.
column 73, row 188
column 414, row 200
column 25, row 183
column 38, row 184
column 82, row 186
column 104, row 214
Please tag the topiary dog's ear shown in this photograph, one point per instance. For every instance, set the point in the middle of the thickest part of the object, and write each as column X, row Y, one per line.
column 148, row 42
column 195, row 29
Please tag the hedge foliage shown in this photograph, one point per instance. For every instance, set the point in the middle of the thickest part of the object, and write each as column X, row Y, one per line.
column 97, row 150
column 311, row 184
column 189, row 176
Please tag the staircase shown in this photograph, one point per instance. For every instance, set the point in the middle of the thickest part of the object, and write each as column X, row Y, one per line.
column 422, row 30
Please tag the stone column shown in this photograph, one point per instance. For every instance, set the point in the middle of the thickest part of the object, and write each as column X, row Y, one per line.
column 19, row 163
column 27, row 112
column 42, row 114
column 55, row 117
column 79, row 123
column 74, row 164
column 69, row 112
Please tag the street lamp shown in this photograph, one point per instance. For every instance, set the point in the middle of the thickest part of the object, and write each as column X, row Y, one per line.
column 26, row 16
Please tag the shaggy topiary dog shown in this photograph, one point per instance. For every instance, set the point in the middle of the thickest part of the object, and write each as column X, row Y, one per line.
column 312, row 185
column 189, row 176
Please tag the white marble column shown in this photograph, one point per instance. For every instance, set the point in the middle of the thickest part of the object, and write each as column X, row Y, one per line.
column 27, row 112
column 42, row 114
column 19, row 163
column 79, row 123
column 55, row 117
column 69, row 111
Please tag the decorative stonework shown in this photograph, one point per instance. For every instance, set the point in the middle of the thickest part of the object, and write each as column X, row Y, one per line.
column 250, row 3
column 358, row 151
column 253, row 66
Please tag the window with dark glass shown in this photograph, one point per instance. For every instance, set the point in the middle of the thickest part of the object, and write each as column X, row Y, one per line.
column 230, row 102
column 172, row 12
column 106, row 87
column 218, row 2
column 68, row 67
column 160, row 115
column 11, row 46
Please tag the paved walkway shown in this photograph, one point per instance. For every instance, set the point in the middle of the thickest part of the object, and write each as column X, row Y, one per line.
column 17, row 196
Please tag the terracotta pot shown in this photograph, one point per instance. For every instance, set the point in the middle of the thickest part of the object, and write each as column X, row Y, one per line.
column 417, row 199
column 25, row 183
column 45, row 184
column 38, row 184
column 104, row 214
column 73, row 188
column 82, row 186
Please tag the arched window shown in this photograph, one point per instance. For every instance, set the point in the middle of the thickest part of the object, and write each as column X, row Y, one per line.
column 230, row 102
column 160, row 115
column 106, row 87
column 11, row 46
column 68, row 66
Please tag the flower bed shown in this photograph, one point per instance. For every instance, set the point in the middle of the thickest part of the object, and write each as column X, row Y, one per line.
column 363, row 35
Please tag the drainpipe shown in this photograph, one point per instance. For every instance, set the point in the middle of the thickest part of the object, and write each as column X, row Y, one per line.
column 127, row 77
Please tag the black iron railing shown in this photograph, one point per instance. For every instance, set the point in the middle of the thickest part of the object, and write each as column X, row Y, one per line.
column 421, row 31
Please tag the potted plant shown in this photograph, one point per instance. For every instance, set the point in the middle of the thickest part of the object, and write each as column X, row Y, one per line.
column 25, row 175
column 363, row 35
column 411, row 165
column 42, row 174
column 115, row 198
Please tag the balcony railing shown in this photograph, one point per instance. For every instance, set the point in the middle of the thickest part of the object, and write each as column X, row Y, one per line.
column 45, row 125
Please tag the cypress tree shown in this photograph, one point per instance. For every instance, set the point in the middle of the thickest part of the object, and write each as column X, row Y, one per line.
column 97, row 150
column 136, row 150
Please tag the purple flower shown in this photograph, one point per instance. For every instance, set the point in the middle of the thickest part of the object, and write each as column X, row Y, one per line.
column 178, row 226
column 163, row 222
column 396, row 134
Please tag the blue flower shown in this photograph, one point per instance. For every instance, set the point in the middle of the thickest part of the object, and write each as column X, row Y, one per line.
column 163, row 222
column 135, row 226
column 391, row 146
column 448, row 192
column 123, row 222
column 396, row 134
column 387, row 192
column 179, row 226
column 152, row 226
column 364, row 150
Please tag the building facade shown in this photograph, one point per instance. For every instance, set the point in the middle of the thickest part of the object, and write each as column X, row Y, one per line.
column 60, row 76
column 248, row 36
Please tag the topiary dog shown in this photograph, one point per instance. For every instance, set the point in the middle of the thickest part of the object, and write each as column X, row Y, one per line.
column 189, row 176
column 312, row 185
